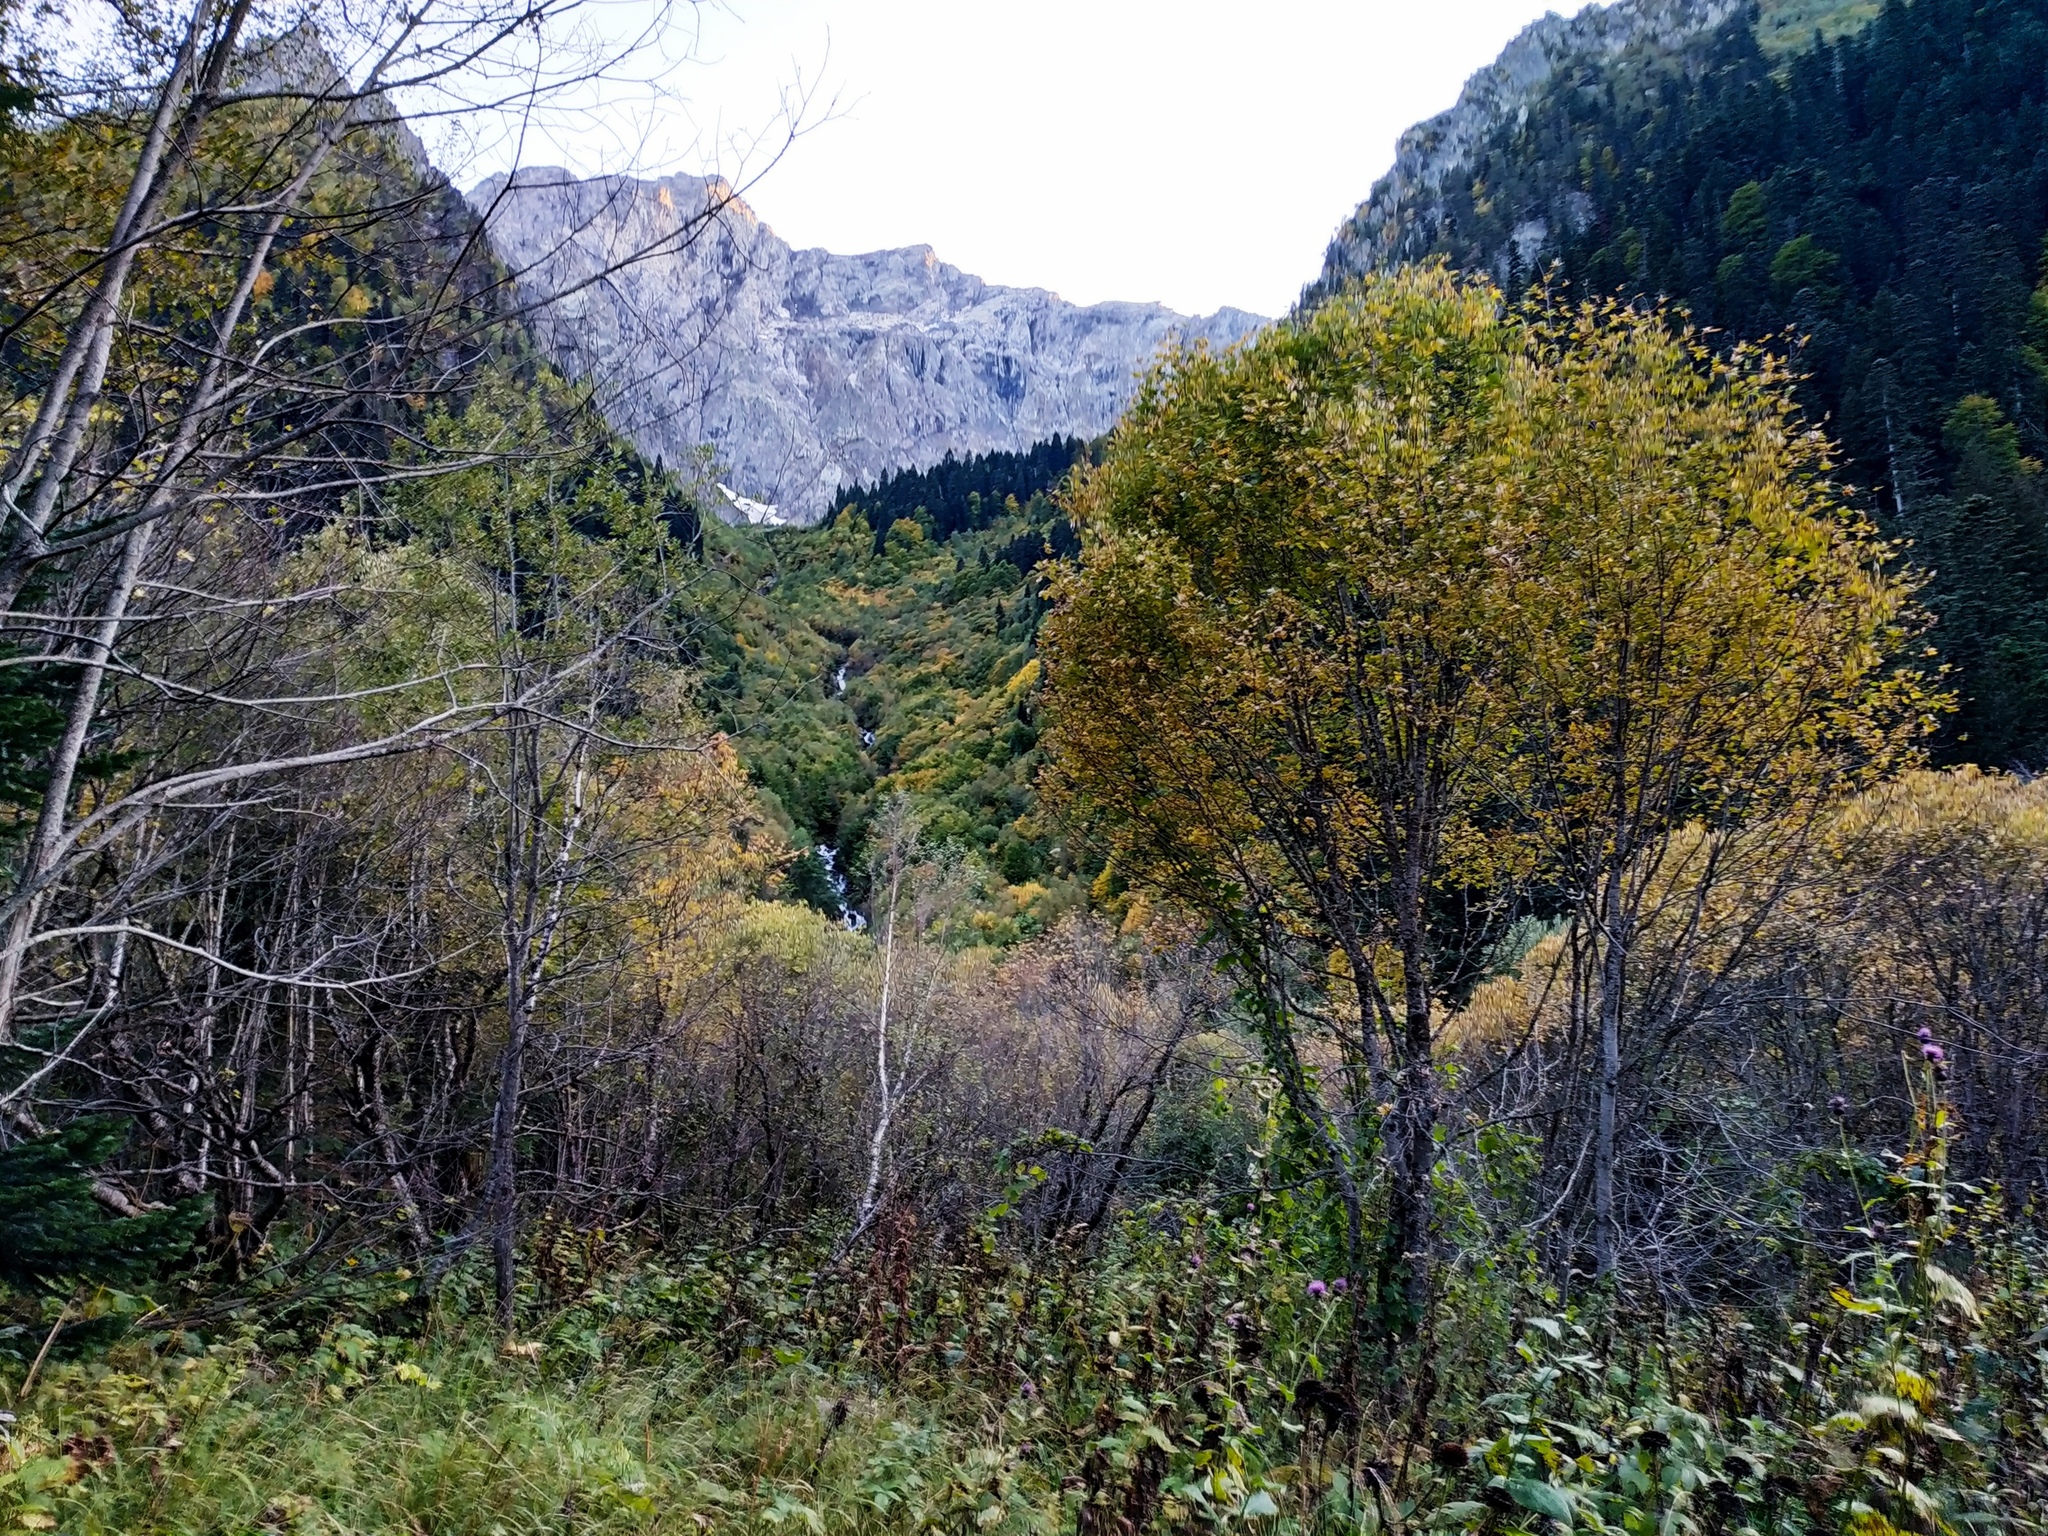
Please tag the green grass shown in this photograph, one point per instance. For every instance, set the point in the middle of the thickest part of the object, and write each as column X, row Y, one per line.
column 1178, row 1378
column 461, row 1439
column 1785, row 27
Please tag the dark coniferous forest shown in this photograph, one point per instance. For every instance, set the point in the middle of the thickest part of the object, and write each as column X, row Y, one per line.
column 1878, row 204
column 959, row 495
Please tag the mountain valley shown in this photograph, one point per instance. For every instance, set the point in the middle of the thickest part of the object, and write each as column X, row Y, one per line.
column 661, row 885
column 1693, row 149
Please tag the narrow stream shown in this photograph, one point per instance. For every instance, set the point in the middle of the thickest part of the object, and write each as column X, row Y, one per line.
column 867, row 737
column 829, row 857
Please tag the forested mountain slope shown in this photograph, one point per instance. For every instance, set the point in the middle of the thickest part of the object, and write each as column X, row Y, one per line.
column 423, row 1105
column 894, row 648
column 1875, row 202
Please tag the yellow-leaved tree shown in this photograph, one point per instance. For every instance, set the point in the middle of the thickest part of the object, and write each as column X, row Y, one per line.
column 1353, row 665
column 1283, row 680
column 1715, row 644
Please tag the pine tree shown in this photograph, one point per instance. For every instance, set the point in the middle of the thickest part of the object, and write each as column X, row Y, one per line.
column 53, row 1230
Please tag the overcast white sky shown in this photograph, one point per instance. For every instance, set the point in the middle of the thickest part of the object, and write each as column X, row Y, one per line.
column 1188, row 151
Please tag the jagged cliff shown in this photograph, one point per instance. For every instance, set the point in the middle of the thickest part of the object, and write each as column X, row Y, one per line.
column 804, row 370
column 1403, row 219
column 1411, row 212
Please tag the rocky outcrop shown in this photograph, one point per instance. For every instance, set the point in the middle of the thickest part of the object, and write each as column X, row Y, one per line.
column 1403, row 218
column 803, row 370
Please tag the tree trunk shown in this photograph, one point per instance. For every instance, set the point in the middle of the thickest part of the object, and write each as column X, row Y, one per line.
column 1613, row 975
column 522, row 834
column 1414, row 1139
column 46, row 848
column 501, row 1194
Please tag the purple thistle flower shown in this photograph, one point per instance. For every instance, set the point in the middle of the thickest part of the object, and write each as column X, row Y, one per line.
column 1317, row 1289
column 1932, row 1052
column 1340, row 1285
column 1925, row 1035
column 1837, row 1105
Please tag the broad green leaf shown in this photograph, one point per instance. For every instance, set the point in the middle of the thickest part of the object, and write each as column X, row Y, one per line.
column 1946, row 1287
column 1541, row 1497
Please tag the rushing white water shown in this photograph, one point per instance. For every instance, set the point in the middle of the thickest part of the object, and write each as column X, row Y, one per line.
column 829, row 857
column 839, row 680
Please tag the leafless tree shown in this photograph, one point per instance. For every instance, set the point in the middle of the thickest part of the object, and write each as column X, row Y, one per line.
column 247, row 351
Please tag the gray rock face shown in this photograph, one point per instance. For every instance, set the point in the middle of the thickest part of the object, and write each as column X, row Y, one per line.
column 1402, row 218
column 803, row 370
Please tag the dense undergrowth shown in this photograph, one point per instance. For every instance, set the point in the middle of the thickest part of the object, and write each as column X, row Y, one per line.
column 1187, row 1372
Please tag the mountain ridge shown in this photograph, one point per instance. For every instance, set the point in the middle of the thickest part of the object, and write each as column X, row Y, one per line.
column 805, row 369
column 1409, row 213
column 1402, row 218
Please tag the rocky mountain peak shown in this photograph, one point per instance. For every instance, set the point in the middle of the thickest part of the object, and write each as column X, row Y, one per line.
column 804, row 370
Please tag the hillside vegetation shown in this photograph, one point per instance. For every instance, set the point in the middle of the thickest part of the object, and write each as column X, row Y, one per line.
column 1383, row 951
column 1785, row 27
column 1876, row 205
column 898, row 656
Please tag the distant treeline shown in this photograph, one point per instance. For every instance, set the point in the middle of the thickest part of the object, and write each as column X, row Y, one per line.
column 959, row 495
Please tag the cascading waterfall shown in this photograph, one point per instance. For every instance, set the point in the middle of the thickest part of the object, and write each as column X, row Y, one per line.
column 867, row 737
column 829, row 857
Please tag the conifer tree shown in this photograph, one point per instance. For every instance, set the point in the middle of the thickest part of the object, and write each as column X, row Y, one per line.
column 53, row 1229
